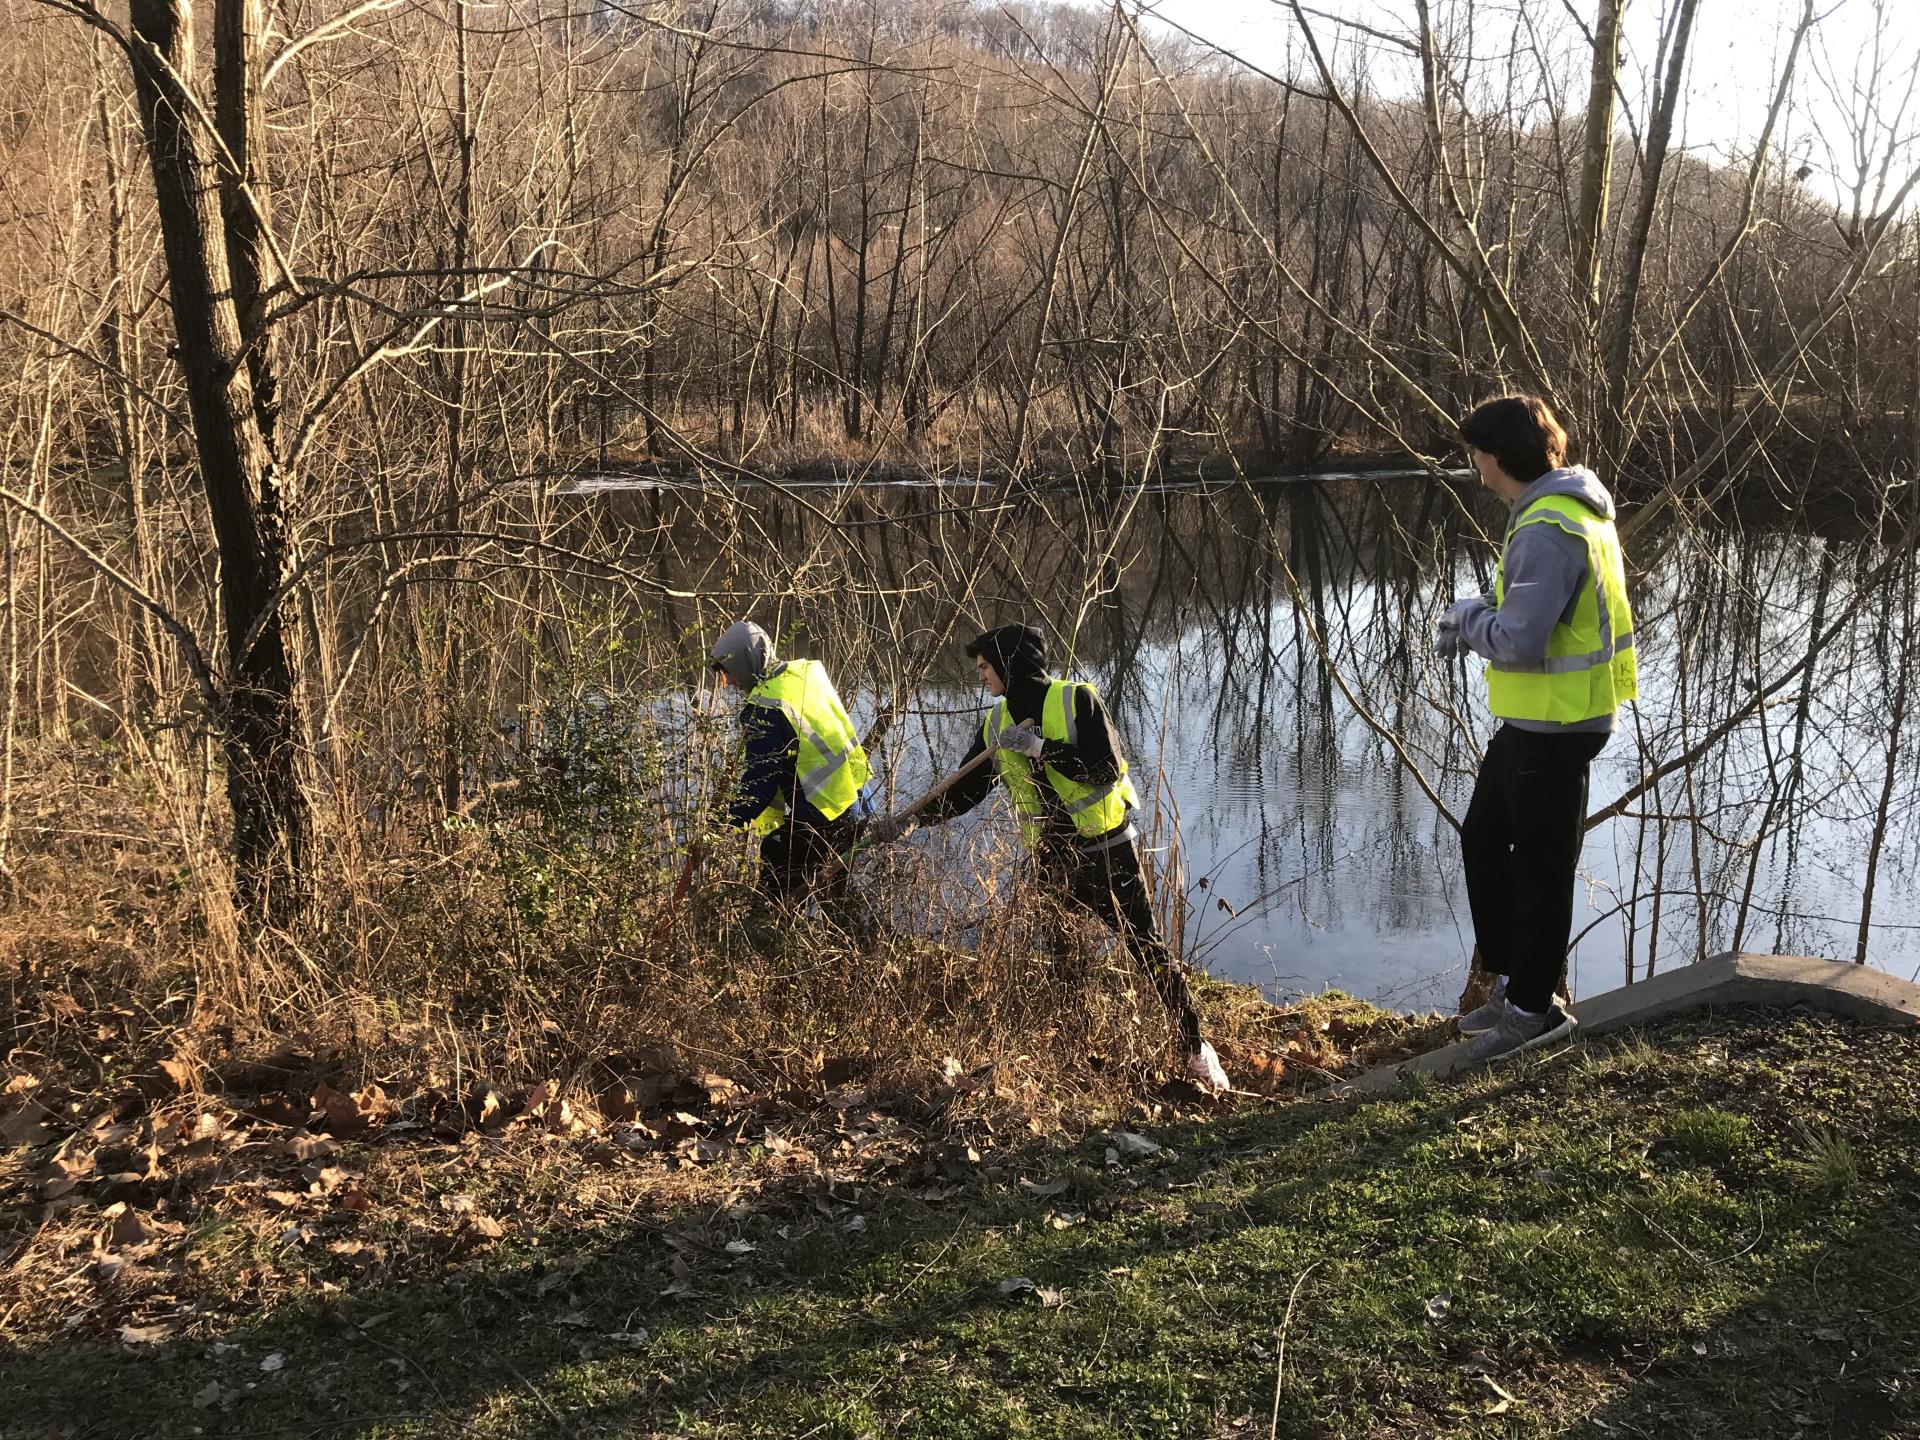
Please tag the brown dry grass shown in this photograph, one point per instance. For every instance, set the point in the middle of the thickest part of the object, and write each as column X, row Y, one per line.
column 192, row 1124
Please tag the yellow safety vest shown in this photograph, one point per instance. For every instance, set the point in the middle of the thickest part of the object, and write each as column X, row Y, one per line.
column 1589, row 669
column 1096, row 810
column 831, row 767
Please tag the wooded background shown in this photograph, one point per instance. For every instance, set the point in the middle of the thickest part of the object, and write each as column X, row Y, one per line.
column 309, row 312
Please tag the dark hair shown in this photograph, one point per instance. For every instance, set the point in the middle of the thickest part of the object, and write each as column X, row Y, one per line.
column 1520, row 432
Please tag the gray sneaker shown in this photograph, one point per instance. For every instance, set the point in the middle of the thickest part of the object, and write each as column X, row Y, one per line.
column 1517, row 1031
column 1478, row 1022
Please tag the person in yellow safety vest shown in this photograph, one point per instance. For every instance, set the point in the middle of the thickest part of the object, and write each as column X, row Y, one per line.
column 1557, row 636
column 804, row 765
column 1061, row 762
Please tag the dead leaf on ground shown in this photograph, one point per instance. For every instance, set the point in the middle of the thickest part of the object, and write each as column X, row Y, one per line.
column 179, row 1074
column 155, row 1334
column 342, row 1113
column 534, row 1103
column 1503, row 1400
column 1134, row 1147
column 61, row 1174
column 719, row 1089
column 65, row 1006
column 207, row 1396
column 680, row 1285
column 326, row 1179
column 310, row 1147
column 1048, row 1189
column 129, row 1228
column 24, row 1127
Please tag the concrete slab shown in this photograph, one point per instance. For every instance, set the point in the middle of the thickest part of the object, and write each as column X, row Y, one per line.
column 1858, row 992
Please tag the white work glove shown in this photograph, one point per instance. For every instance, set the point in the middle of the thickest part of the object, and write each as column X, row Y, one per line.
column 884, row 830
column 1022, row 739
column 1447, row 640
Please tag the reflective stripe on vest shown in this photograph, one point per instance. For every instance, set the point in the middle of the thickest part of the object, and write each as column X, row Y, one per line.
column 1096, row 810
column 1589, row 669
column 831, row 766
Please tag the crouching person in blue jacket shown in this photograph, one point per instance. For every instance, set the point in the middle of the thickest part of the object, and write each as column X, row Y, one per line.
column 804, row 766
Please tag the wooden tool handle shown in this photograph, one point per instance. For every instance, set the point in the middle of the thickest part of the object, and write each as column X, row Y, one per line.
column 941, row 787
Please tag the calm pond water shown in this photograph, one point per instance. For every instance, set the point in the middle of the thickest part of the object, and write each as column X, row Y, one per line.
column 1309, row 853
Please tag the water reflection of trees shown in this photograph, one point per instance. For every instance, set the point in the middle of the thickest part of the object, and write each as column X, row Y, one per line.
column 1198, row 613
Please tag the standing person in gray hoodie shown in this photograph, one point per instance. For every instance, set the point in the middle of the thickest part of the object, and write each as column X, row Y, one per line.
column 1557, row 636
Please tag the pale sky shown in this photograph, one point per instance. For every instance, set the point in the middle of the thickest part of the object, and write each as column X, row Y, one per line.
column 1732, row 63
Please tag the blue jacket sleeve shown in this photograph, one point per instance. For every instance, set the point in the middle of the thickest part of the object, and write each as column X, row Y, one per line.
column 773, row 752
column 1545, row 567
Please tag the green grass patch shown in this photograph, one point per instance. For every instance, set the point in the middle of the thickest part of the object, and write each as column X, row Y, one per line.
column 1715, row 1136
column 1710, row 1230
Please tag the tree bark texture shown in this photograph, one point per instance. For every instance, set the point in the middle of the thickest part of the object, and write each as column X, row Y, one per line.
column 260, row 728
column 1596, row 160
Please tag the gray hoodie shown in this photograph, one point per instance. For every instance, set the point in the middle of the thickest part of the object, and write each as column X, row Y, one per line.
column 746, row 653
column 1545, row 568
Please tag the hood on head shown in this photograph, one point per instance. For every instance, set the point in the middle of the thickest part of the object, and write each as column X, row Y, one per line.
column 1575, row 481
column 1018, row 653
column 746, row 653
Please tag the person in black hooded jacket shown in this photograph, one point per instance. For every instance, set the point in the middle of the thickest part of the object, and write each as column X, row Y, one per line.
column 1095, row 862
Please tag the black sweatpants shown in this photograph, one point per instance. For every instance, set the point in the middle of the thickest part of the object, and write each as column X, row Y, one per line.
column 801, row 859
column 1110, row 884
column 1521, row 844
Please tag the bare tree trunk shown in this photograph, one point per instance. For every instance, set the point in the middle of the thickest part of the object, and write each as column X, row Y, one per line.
column 1902, row 655
column 1619, row 357
column 453, row 736
column 1596, row 160
column 243, row 198
column 260, row 737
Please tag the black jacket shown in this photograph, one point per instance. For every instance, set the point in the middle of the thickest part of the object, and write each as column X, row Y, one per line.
column 1017, row 654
